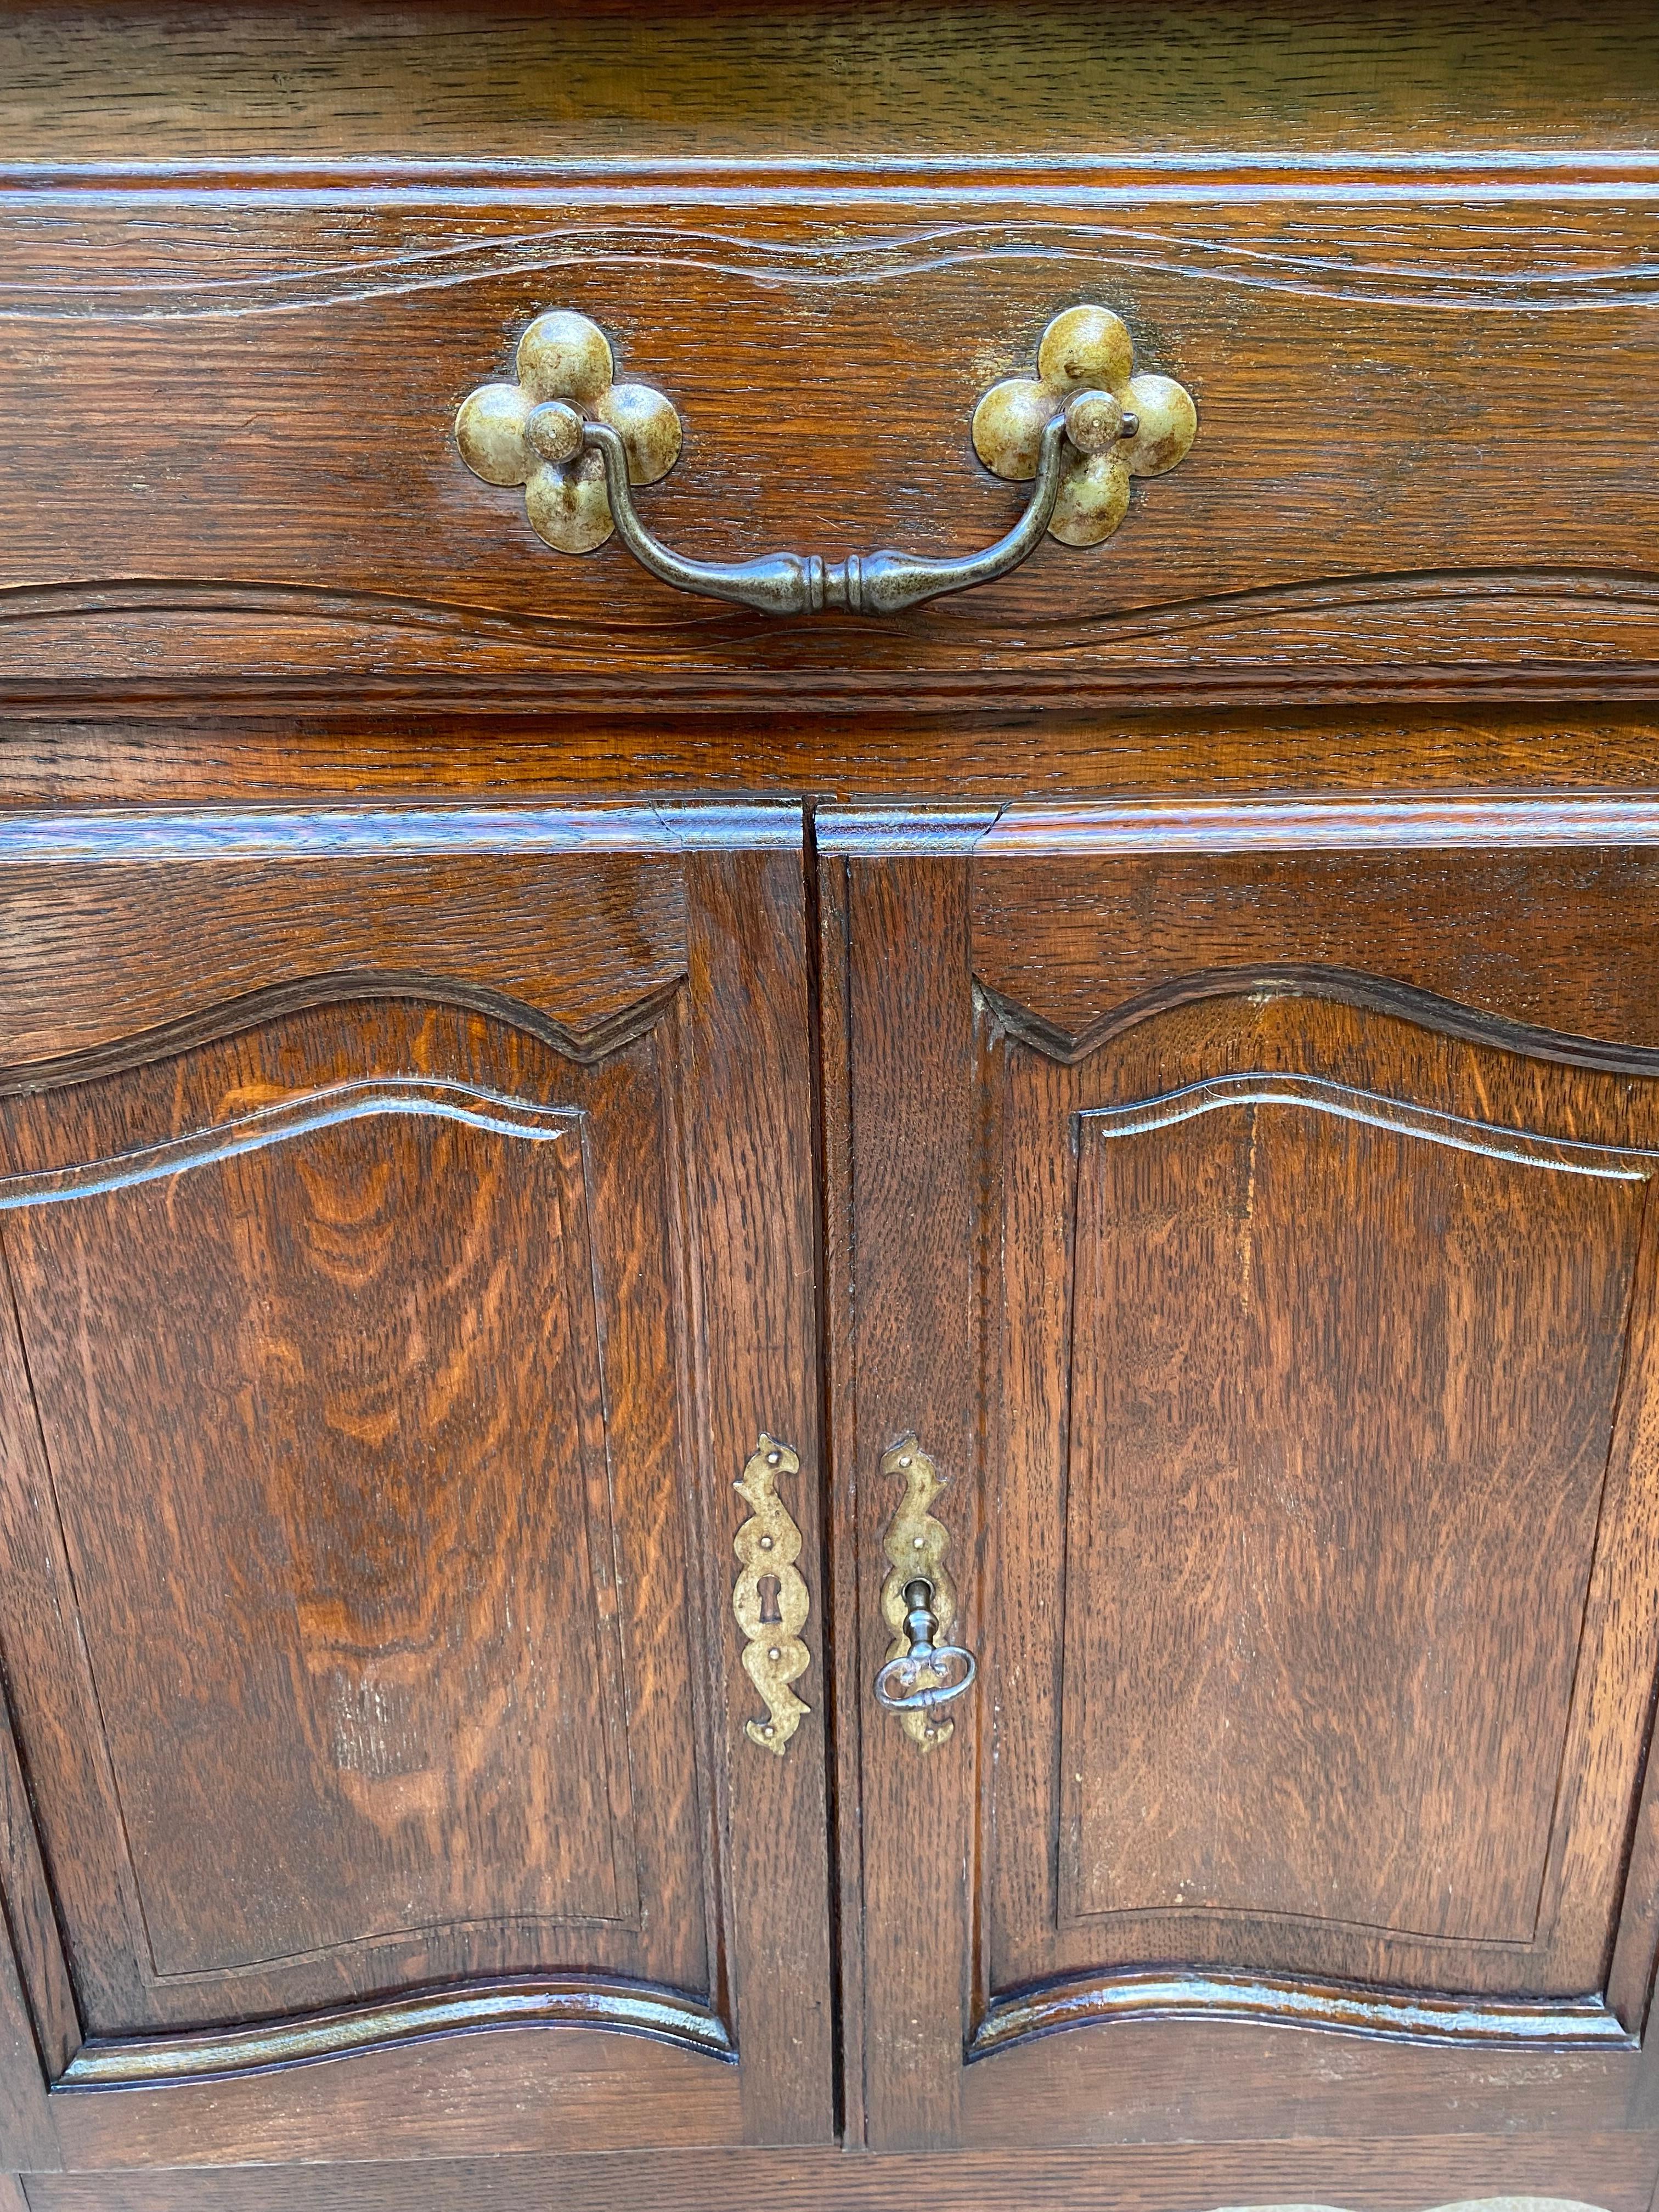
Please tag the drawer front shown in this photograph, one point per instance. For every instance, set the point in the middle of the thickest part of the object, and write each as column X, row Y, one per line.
column 1427, row 405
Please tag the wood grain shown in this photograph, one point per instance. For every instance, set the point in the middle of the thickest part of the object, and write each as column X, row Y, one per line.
column 1477, row 1368
column 1366, row 359
column 1612, row 2170
column 402, row 1653
column 1525, row 934
column 1223, row 976
column 337, row 754
column 96, row 948
column 747, row 1102
column 1560, row 1936
column 1271, row 1559
column 143, row 81
column 403, row 1316
column 550, row 2091
column 908, row 1109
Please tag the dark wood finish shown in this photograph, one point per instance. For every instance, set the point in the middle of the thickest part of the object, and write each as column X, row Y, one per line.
column 1312, row 1434
column 116, row 927
column 904, row 1102
column 1415, row 541
column 551, row 2092
column 140, row 82
column 338, row 753
column 1366, row 311
column 1386, row 2174
column 1090, row 919
column 483, row 1037
column 369, row 1536
column 747, row 1109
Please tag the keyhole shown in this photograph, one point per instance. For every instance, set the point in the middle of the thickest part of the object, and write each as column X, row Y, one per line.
column 769, row 1587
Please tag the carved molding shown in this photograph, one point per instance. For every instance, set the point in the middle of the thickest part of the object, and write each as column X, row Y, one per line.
column 1453, row 822
column 1518, row 1146
column 635, row 2007
column 1332, row 640
column 1258, row 607
column 231, row 1017
column 278, row 833
column 293, row 1117
column 1343, row 987
column 1559, row 2023
column 1606, row 272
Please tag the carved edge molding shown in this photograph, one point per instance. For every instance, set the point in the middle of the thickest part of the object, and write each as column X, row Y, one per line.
column 877, row 256
column 353, row 1101
column 537, row 631
column 915, row 1544
column 1520, row 1147
column 632, row 2008
column 767, row 1547
column 1343, row 987
column 1338, row 2007
column 252, row 1010
column 123, row 834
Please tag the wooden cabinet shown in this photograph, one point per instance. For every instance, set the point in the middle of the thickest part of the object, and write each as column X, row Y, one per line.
column 582, row 1165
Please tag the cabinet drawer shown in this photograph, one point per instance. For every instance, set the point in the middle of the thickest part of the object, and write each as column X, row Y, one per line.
column 1427, row 405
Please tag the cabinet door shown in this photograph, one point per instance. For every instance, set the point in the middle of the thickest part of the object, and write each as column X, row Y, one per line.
column 1248, row 1213
column 406, row 1222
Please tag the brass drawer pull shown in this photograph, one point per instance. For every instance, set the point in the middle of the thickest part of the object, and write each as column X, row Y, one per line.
column 1078, row 431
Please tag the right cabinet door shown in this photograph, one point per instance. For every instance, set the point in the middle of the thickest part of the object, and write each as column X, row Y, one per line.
column 1248, row 1213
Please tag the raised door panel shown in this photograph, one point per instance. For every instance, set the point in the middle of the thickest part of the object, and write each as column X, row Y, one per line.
column 1295, row 1398
column 1302, row 1342
column 1310, row 1448
column 367, row 1625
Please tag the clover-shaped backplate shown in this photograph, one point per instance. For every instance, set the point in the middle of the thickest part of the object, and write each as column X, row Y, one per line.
column 1086, row 350
column 530, row 433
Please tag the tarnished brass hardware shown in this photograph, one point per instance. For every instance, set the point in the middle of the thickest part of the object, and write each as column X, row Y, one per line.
column 919, row 1606
column 531, row 433
column 579, row 444
column 921, row 1677
column 1119, row 425
column 769, row 1600
column 801, row 584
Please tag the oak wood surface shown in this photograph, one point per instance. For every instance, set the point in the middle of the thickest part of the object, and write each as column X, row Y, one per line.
column 747, row 1107
column 904, row 1105
column 111, row 83
column 1366, row 353
column 431, row 1158
column 1365, row 339
column 335, row 753
column 1080, row 944
column 551, row 2092
column 395, row 1701
column 374, row 1386
column 1386, row 2174
column 1112, row 1373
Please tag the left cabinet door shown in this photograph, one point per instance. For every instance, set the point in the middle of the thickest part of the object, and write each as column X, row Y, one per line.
column 407, row 1229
